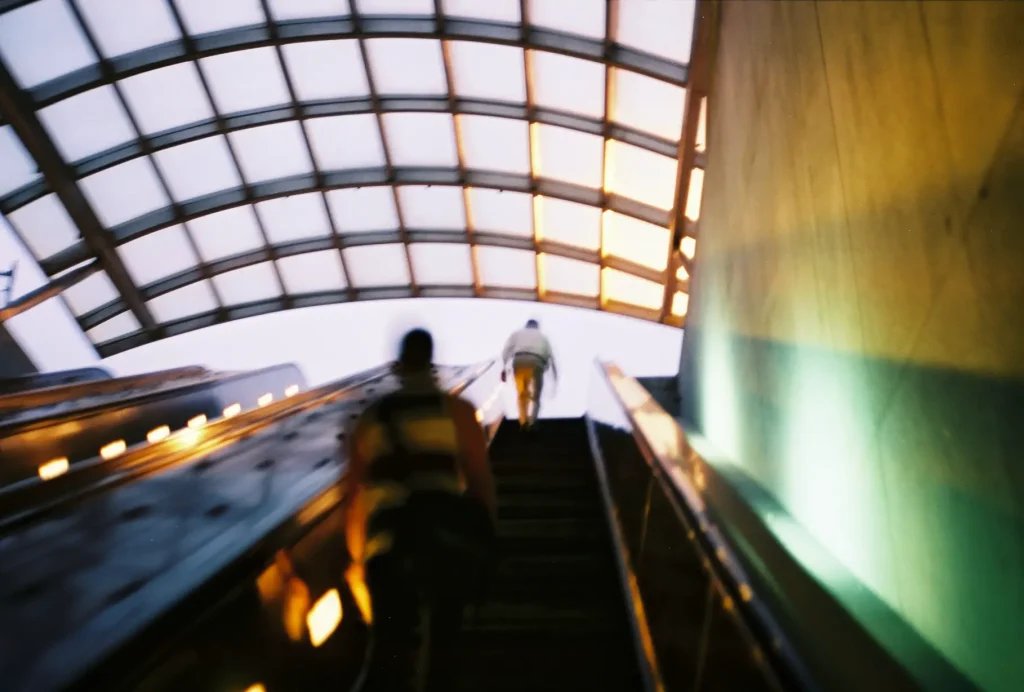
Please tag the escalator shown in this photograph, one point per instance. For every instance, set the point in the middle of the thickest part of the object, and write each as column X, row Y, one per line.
column 555, row 617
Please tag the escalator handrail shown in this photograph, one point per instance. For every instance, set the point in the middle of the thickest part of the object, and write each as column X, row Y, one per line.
column 315, row 509
column 44, row 396
column 761, row 613
column 780, row 660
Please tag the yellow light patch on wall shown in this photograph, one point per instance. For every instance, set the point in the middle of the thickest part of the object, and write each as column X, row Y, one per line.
column 54, row 468
column 291, row 390
column 626, row 288
column 265, row 400
column 232, row 410
column 157, row 434
column 680, row 302
column 113, row 449
column 323, row 617
column 694, row 195
column 198, row 421
column 688, row 246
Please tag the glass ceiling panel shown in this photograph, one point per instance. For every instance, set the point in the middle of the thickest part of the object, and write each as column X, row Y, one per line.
column 307, row 9
column 312, row 272
column 123, row 26
column 568, row 155
column 372, row 7
column 632, row 290
column 28, row 36
column 490, row 72
column 226, row 233
column 114, row 328
column 297, row 217
column 166, row 98
column 641, row 175
column 374, row 266
column 363, row 209
column 406, row 66
column 245, row 80
column 493, row 10
column 87, row 124
column 506, row 268
column 346, row 141
column 186, row 301
column 125, row 191
column 415, row 152
column 204, row 16
column 495, row 144
column 421, row 139
column 637, row 241
column 693, row 197
column 90, row 293
column 442, row 264
column 566, row 275
column 569, row 223
column 326, row 69
column 660, row 27
column 17, row 168
column 248, row 284
column 568, row 84
column 44, row 226
column 431, row 208
column 198, row 168
column 582, row 17
column 271, row 151
column 648, row 104
column 680, row 303
column 158, row 255
column 498, row 211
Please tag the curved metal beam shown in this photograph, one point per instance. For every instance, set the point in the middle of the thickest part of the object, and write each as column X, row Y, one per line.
column 96, row 241
column 350, row 106
column 365, row 27
column 335, row 180
column 264, row 307
column 300, row 247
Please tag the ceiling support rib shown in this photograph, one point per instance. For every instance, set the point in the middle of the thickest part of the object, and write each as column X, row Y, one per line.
column 696, row 91
column 17, row 110
column 611, row 30
column 534, row 144
column 299, row 117
column 146, row 150
column 222, row 130
column 357, row 19
column 460, row 150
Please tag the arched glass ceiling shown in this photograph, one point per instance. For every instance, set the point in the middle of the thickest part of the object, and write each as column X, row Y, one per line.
column 217, row 160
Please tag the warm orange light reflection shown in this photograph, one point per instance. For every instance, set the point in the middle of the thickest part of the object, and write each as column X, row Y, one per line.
column 232, row 410
column 688, row 246
column 702, row 126
column 680, row 302
column 694, row 194
column 323, row 617
column 291, row 390
column 114, row 449
column 354, row 576
column 54, row 468
column 265, row 400
column 682, row 274
column 197, row 422
column 258, row 687
column 157, row 434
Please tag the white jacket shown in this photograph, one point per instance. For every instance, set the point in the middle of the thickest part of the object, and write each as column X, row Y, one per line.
column 527, row 340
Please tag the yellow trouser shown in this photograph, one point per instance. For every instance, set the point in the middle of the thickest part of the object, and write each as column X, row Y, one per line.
column 529, row 380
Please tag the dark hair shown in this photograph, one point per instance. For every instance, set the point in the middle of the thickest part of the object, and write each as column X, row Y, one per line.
column 417, row 350
column 532, row 323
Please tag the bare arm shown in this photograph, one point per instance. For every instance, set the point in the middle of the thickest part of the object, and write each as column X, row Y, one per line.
column 479, row 479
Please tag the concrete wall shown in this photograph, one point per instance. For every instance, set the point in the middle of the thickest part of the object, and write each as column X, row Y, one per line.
column 856, row 330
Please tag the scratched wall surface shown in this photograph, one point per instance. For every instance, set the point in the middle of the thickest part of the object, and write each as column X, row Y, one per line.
column 856, row 331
